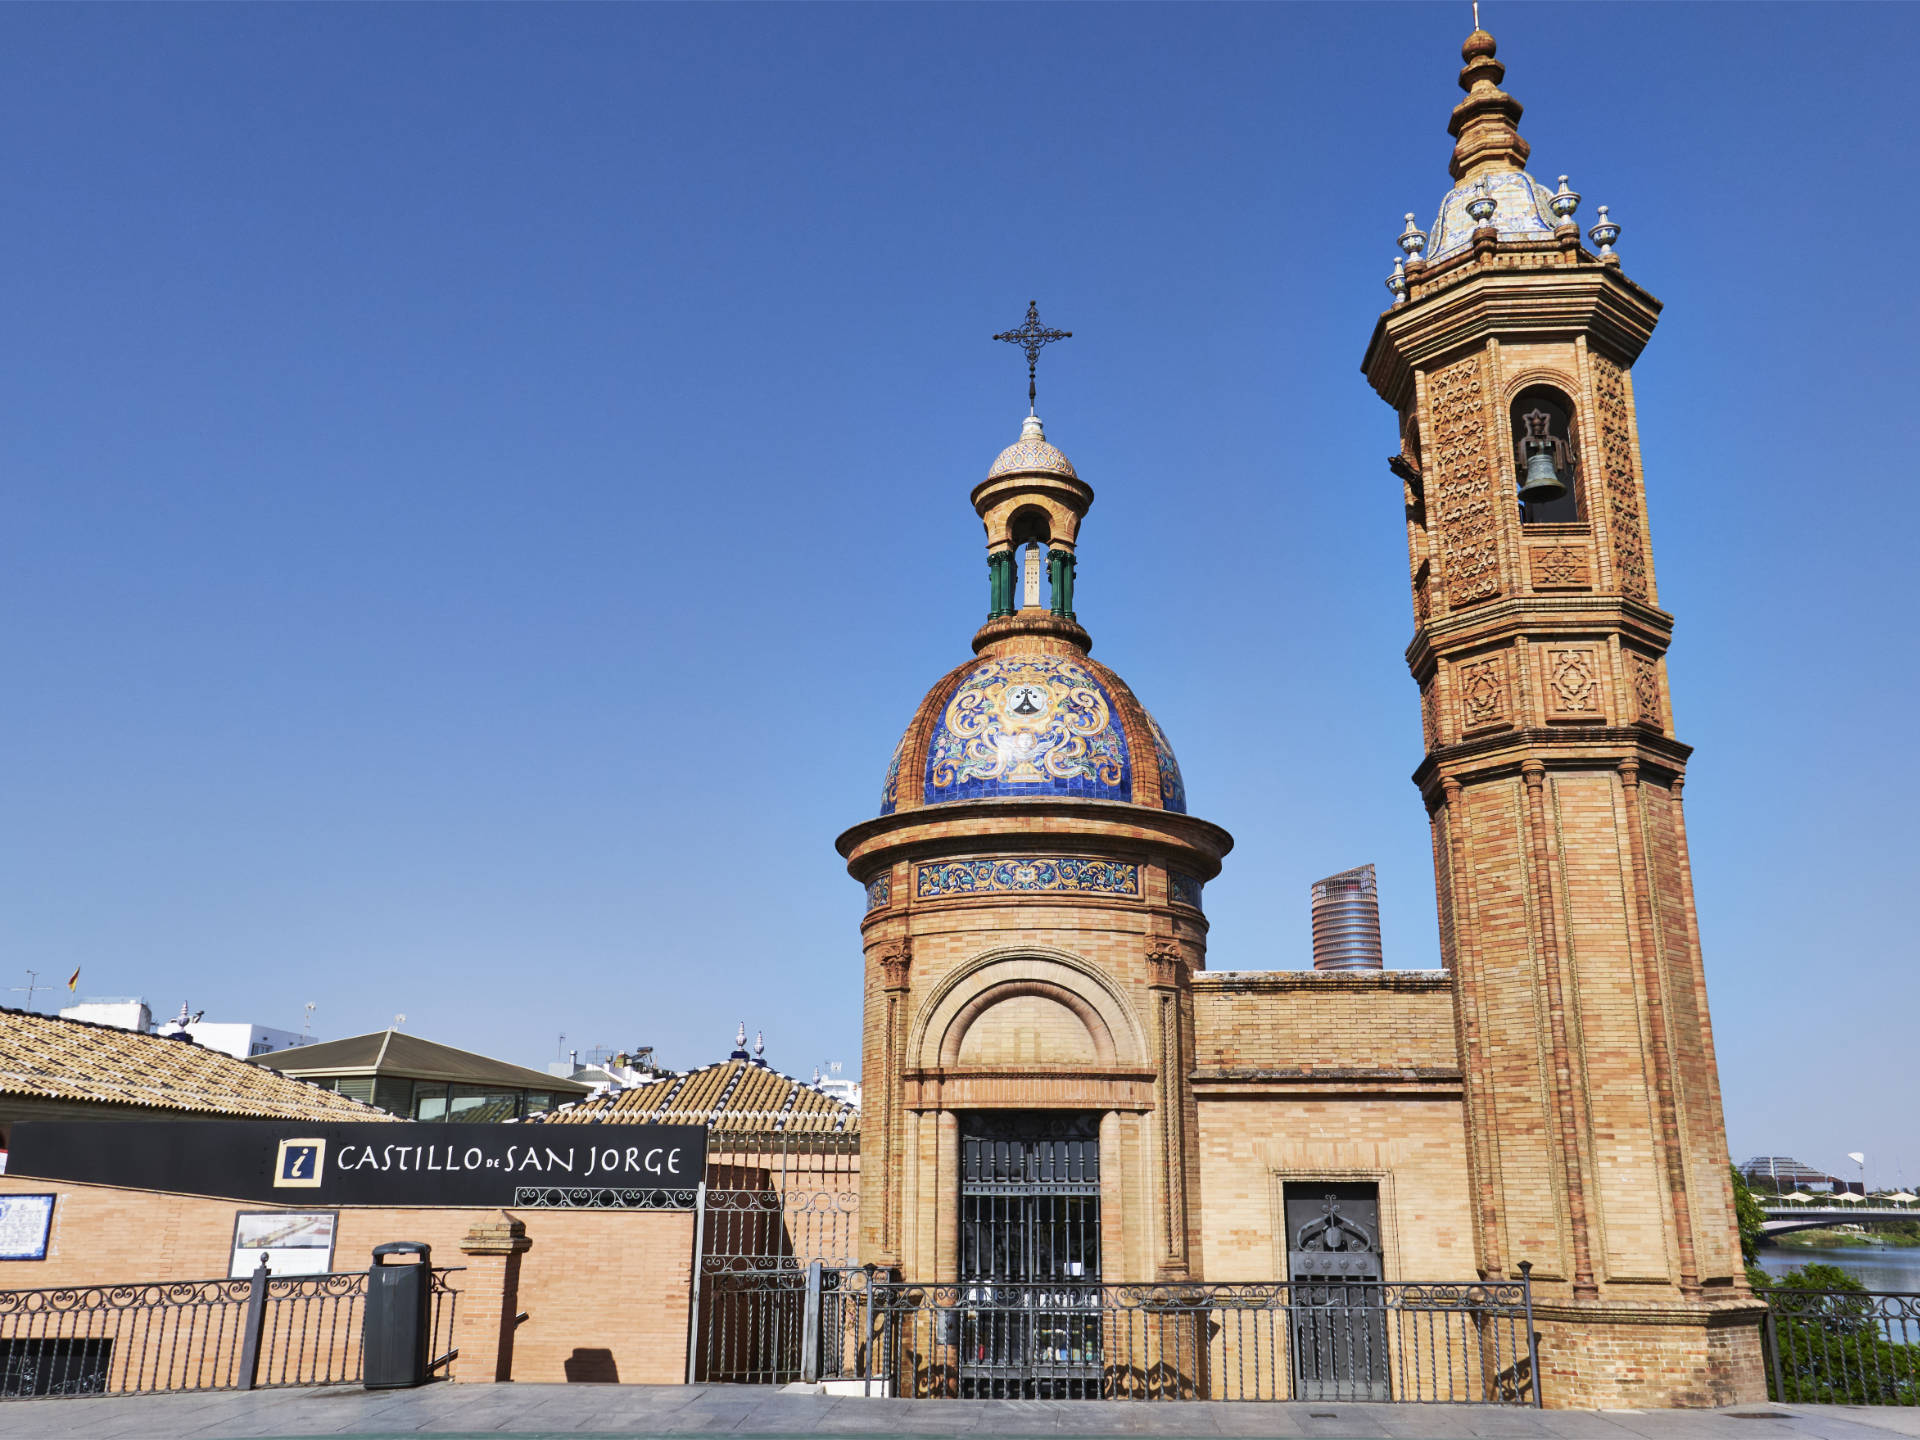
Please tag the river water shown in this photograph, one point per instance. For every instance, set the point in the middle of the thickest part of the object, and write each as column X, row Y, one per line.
column 1878, row 1267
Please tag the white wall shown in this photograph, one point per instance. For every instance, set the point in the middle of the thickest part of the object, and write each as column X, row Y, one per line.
column 121, row 1014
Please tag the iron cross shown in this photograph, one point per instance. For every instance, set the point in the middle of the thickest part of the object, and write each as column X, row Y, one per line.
column 1031, row 337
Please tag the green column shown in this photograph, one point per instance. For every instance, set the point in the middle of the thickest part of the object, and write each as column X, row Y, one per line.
column 1060, row 567
column 999, row 584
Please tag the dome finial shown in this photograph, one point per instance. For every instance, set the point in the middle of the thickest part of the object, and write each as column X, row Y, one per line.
column 1485, row 125
column 1033, row 337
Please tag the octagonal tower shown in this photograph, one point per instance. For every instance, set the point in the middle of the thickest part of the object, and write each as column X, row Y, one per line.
column 1033, row 917
column 1552, row 780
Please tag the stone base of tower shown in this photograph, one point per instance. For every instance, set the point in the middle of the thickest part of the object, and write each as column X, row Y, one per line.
column 1608, row 1356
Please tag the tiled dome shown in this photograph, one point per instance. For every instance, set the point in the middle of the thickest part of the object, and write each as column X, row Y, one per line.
column 1031, row 453
column 1040, row 722
column 1523, row 212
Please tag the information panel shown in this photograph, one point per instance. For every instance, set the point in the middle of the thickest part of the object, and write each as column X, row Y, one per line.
column 25, row 1221
column 291, row 1242
column 405, row 1163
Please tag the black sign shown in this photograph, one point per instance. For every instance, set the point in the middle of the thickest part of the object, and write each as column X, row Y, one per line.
column 299, row 1163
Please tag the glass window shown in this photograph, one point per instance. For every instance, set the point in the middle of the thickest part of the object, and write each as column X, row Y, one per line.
column 478, row 1105
column 356, row 1087
column 429, row 1100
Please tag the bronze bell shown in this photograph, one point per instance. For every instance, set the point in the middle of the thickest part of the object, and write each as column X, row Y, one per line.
column 1543, row 481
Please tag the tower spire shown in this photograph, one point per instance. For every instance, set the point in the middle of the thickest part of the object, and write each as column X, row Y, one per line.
column 1485, row 125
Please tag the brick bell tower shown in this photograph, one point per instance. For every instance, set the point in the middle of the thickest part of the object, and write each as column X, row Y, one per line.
column 1553, row 778
column 1033, row 919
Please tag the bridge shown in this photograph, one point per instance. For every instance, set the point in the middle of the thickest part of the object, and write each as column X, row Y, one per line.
column 1784, row 1218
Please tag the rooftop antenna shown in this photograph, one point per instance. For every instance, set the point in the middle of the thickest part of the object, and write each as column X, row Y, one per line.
column 398, row 1021
column 306, row 1026
column 33, row 977
column 560, row 1048
column 1033, row 337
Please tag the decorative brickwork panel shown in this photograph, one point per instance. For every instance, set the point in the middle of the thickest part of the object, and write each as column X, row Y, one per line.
column 1462, row 490
column 1560, row 567
column 1624, row 520
column 1429, row 727
column 879, row 893
column 1573, row 683
column 1485, row 703
column 1645, row 673
column 1422, row 597
column 1059, row 873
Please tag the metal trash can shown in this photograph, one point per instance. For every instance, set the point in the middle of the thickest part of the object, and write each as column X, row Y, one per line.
column 399, row 1325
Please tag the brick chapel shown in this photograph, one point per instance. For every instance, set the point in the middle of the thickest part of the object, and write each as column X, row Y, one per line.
column 1055, row 1079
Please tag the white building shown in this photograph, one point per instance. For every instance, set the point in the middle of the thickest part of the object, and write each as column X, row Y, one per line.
column 847, row 1092
column 235, row 1038
column 122, row 1014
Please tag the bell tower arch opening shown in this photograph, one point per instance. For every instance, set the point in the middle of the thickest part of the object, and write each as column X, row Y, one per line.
column 1545, row 458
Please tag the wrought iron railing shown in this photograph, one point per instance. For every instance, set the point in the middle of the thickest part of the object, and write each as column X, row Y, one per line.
column 1842, row 1347
column 1460, row 1343
column 143, row 1339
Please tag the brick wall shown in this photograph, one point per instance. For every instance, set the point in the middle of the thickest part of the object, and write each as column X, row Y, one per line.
column 1267, row 1019
column 605, row 1294
column 1413, row 1148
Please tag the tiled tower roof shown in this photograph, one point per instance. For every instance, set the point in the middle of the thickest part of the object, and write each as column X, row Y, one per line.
column 734, row 1095
column 1031, row 454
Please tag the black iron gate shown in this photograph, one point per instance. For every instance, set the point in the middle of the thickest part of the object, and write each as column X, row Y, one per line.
column 1029, row 1319
column 1339, row 1305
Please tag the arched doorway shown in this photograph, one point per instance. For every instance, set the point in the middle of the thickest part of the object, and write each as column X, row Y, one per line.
column 1030, row 1254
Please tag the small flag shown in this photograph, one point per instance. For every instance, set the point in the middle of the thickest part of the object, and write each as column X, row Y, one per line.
column 73, row 980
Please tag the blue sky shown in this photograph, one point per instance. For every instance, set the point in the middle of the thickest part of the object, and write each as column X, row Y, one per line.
column 486, row 486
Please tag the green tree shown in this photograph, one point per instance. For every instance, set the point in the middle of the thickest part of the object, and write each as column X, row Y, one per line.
column 1825, row 1295
column 1831, row 1344
column 1751, row 1220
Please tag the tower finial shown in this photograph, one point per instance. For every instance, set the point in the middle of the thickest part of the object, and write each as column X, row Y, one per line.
column 1033, row 337
column 1485, row 125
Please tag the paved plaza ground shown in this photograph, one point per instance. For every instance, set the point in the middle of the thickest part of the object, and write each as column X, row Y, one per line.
column 643, row 1410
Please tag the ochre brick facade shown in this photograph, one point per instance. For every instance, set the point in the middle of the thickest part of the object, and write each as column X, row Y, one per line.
column 1550, row 1099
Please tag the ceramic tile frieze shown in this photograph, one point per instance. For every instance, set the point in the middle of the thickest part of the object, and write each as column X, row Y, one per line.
column 1026, row 874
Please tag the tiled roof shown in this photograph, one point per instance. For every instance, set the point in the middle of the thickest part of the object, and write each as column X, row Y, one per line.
column 393, row 1052
column 734, row 1095
column 46, row 1057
